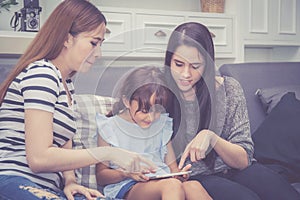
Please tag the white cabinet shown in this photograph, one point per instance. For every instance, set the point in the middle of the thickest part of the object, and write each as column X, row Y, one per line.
column 145, row 33
column 142, row 33
column 222, row 29
column 153, row 31
column 118, row 36
column 271, row 22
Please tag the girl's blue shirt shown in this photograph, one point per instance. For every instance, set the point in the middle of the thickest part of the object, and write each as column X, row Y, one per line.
column 149, row 142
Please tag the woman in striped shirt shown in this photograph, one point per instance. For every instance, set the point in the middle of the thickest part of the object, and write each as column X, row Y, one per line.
column 36, row 114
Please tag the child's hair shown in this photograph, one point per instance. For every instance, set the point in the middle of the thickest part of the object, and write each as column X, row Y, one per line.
column 140, row 84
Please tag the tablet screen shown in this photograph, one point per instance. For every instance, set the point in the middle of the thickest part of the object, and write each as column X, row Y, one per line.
column 169, row 175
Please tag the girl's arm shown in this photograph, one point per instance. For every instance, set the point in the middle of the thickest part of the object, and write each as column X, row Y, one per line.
column 42, row 156
column 170, row 158
column 106, row 175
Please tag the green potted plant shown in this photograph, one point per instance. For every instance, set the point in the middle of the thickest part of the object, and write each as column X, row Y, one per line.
column 5, row 4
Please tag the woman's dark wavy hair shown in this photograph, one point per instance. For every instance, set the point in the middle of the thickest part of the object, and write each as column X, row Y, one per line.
column 140, row 84
column 196, row 35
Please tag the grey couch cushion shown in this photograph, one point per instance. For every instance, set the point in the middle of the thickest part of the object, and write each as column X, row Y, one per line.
column 253, row 76
column 270, row 97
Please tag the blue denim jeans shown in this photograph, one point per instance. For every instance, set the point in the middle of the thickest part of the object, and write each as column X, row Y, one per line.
column 17, row 187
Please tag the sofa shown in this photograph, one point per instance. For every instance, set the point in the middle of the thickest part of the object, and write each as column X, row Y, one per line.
column 94, row 91
column 256, row 79
column 272, row 92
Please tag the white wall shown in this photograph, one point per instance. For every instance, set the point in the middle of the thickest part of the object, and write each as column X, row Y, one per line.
column 180, row 5
column 5, row 17
column 248, row 54
column 183, row 5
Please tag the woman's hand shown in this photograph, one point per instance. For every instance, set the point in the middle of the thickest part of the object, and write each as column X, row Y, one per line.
column 133, row 162
column 126, row 160
column 197, row 148
column 184, row 177
column 73, row 188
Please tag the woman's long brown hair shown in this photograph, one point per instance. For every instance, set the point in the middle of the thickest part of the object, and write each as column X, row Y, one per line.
column 70, row 16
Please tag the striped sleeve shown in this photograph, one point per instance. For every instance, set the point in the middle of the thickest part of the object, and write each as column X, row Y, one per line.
column 40, row 86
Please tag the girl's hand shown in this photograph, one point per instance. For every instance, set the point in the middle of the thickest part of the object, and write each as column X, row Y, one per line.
column 197, row 148
column 137, row 176
column 73, row 188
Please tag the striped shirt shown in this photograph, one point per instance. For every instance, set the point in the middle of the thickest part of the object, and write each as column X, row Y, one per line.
column 39, row 86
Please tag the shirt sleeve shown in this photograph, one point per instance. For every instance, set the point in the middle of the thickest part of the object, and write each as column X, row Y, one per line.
column 105, row 130
column 40, row 88
column 238, row 118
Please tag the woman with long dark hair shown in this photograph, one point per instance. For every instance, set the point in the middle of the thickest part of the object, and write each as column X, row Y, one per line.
column 210, row 122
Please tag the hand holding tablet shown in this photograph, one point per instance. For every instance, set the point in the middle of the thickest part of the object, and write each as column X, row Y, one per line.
column 169, row 175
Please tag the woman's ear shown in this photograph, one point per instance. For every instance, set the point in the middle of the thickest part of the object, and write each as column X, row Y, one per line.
column 69, row 42
column 125, row 101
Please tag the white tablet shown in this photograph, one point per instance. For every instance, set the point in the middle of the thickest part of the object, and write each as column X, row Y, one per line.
column 169, row 175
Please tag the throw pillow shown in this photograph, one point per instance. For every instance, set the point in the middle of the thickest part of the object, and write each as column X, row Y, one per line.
column 269, row 97
column 85, row 107
column 277, row 139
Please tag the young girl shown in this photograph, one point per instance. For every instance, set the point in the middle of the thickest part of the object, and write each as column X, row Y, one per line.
column 138, row 124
